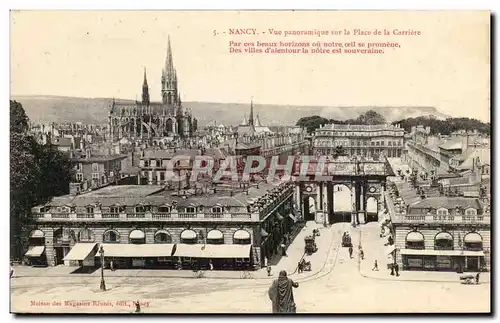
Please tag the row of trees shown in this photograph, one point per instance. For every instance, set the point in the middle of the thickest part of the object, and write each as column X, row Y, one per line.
column 446, row 127
column 314, row 122
column 37, row 173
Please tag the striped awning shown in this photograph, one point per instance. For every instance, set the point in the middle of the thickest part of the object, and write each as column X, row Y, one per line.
column 188, row 234
column 81, row 251
column 415, row 237
column 241, row 235
column 37, row 234
column 228, row 251
column 35, row 251
column 473, row 238
column 215, row 234
column 137, row 234
column 121, row 250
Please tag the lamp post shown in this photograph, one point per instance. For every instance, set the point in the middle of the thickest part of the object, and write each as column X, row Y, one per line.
column 103, row 283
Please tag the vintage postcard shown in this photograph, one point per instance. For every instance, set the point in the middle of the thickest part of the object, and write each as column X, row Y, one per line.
column 250, row 162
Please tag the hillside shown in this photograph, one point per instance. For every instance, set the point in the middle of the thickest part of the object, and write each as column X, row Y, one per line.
column 95, row 110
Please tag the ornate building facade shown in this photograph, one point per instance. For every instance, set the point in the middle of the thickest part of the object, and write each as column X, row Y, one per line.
column 148, row 120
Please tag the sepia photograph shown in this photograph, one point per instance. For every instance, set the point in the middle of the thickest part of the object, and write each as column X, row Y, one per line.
column 250, row 162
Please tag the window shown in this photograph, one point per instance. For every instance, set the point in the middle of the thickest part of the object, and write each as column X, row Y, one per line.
column 162, row 176
column 79, row 166
column 443, row 241
column 382, row 143
column 153, row 163
column 471, row 212
column 95, row 167
column 442, row 211
column 140, row 209
column 390, row 143
column 377, row 143
column 190, row 210
column 86, row 236
column 79, row 177
column 163, row 237
column 95, row 176
column 164, row 209
column 111, row 236
column 146, row 163
column 217, row 209
column 114, row 210
column 90, row 209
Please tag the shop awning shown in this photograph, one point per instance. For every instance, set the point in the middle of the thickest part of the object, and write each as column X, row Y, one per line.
column 37, row 234
column 137, row 234
column 212, row 251
column 416, row 252
column 263, row 233
column 415, row 237
column 292, row 217
column 188, row 234
column 81, row 251
column 473, row 238
column 215, row 234
column 35, row 251
column 444, row 236
column 121, row 250
column 241, row 235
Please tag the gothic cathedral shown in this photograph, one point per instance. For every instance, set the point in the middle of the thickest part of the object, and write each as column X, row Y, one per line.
column 153, row 120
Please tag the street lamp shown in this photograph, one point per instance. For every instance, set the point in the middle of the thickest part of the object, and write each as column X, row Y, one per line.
column 103, row 283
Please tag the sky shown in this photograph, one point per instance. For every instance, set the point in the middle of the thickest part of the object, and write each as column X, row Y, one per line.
column 104, row 53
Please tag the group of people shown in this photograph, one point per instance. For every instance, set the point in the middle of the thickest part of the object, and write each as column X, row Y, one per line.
column 303, row 265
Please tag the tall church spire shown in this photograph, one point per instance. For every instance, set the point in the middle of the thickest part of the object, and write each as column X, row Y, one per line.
column 145, row 90
column 169, row 78
column 250, row 118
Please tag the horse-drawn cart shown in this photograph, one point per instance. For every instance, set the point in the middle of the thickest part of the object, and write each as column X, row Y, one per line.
column 469, row 279
column 310, row 245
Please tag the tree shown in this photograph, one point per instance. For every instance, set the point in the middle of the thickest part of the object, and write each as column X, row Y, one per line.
column 37, row 173
column 312, row 123
column 371, row 118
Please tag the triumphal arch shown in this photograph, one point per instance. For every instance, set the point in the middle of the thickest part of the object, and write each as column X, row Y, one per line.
column 317, row 179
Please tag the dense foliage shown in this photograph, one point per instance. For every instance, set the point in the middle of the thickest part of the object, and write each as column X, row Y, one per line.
column 445, row 127
column 314, row 122
column 37, row 172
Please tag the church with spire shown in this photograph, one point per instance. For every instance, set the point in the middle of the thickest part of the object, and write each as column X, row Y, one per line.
column 252, row 126
column 153, row 120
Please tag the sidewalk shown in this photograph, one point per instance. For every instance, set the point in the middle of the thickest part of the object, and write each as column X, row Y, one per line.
column 295, row 253
column 374, row 249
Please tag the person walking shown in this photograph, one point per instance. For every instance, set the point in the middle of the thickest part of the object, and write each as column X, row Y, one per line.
column 396, row 269
column 361, row 253
column 350, row 252
column 283, row 250
column 269, row 273
column 210, row 265
column 375, row 266
column 281, row 294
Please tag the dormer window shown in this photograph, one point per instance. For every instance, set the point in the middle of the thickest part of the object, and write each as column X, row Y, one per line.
column 470, row 212
column 140, row 209
column 217, row 209
column 442, row 211
column 90, row 209
column 164, row 209
column 115, row 209
column 190, row 210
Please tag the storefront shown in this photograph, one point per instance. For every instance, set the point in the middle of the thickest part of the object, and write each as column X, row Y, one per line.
column 441, row 260
column 82, row 255
column 35, row 256
column 137, row 255
column 222, row 256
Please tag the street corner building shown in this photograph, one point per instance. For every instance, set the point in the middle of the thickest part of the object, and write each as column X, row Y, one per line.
column 146, row 226
column 438, row 233
column 148, row 120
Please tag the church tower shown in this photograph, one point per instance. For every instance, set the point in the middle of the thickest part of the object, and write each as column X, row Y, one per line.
column 250, row 118
column 169, row 79
column 145, row 90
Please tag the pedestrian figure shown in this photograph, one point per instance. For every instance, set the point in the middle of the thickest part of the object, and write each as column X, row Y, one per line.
column 269, row 271
column 179, row 264
column 210, row 265
column 299, row 267
column 281, row 294
column 375, row 266
column 137, row 307
column 11, row 271
column 361, row 254
column 112, row 265
column 350, row 252
column 283, row 250
column 396, row 269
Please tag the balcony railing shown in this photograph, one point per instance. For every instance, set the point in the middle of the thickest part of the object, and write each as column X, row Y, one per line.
column 171, row 217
